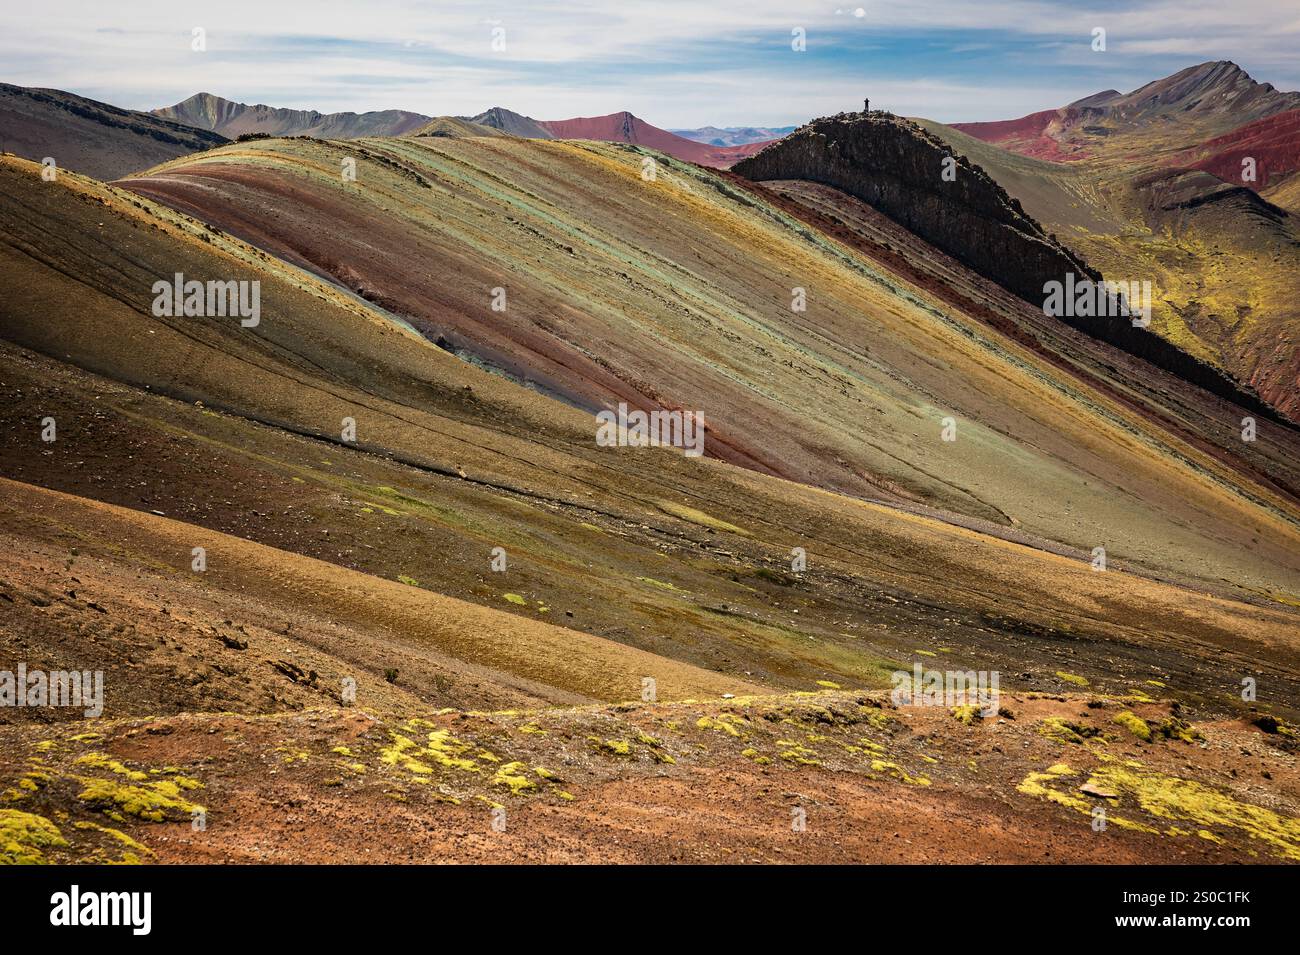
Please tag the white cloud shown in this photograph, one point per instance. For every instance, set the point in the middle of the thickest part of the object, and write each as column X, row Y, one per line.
column 678, row 62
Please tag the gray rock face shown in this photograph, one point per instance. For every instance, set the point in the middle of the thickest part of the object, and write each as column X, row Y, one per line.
column 898, row 168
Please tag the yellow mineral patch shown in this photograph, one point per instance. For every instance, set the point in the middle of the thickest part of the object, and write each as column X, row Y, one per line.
column 1184, row 801
column 102, row 761
column 442, row 749
column 511, row 776
column 661, row 584
column 402, row 754
column 722, row 723
column 24, row 836
column 1174, row 800
column 1039, row 785
column 447, row 751
column 793, row 752
column 893, row 769
column 694, row 516
column 152, row 802
column 1134, row 724
column 1065, row 731
column 132, row 851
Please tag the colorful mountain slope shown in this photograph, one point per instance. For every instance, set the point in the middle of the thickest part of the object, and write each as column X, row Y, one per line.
column 451, row 461
column 237, row 431
column 897, row 167
column 1269, row 148
column 1214, row 94
column 91, row 137
column 1222, row 263
column 849, row 395
column 329, row 559
column 454, row 127
column 623, row 127
column 1038, row 135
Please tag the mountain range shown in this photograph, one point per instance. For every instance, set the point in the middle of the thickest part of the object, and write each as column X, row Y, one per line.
column 1188, row 182
column 1189, row 108
column 232, row 120
column 734, row 135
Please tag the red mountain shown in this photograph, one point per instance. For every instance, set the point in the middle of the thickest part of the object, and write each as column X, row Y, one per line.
column 1034, row 135
column 623, row 127
column 1207, row 117
column 1273, row 142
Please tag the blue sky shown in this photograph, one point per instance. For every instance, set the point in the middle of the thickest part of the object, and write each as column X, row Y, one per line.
column 675, row 64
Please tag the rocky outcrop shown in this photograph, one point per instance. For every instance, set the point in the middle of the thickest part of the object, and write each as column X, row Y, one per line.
column 897, row 167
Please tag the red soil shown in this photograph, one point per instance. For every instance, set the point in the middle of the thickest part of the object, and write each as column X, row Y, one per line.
column 1028, row 136
column 1031, row 135
column 1273, row 142
column 1004, row 129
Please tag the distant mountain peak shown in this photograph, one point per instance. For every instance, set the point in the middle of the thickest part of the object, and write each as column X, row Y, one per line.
column 500, row 112
column 1196, row 104
column 508, row 121
column 1097, row 100
column 1217, row 86
column 232, row 119
column 733, row 135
